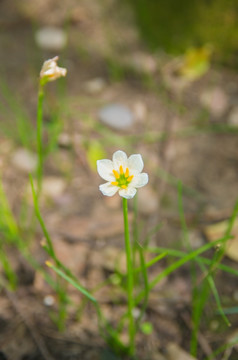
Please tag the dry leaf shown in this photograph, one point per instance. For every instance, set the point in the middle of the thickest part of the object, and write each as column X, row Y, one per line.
column 216, row 231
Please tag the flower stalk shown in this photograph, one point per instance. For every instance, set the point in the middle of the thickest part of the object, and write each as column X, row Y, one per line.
column 124, row 176
column 39, row 137
column 50, row 71
column 130, row 279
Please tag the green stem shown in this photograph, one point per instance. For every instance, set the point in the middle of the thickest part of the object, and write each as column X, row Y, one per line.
column 130, row 279
column 39, row 137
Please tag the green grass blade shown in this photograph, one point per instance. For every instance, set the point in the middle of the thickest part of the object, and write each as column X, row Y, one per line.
column 222, row 348
column 181, row 254
column 49, row 245
column 199, row 296
column 188, row 257
column 10, row 274
column 72, row 282
column 7, row 217
column 217, row 298
column 152, row 262
column 146, row 284
column 41, row 221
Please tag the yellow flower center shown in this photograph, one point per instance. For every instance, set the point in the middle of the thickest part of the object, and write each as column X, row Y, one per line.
column 123, row 179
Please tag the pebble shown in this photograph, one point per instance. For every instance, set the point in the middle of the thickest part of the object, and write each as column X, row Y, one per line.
column 116, row 116
column 144, row 62
column 95, row 86
column 64, row 140
column 196, row 239
column 48, row 300
column 215, row 100
column 214, row 325
column 53, row 186
column 51, row 38
column 136, row 313
column 24, row 160
column 140, row 111
column 113, row 259
column 233, row 117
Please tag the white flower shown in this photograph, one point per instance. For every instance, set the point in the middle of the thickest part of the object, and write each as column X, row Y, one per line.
column 122, row 174
column 50, row 71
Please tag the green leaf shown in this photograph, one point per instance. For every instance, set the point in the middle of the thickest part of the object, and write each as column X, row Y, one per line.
column 95, row 151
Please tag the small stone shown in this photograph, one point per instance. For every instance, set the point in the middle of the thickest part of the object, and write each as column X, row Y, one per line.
column 48, row 300
column 53, row 186
column 113, row 259
column 136, row 313
column 140, row 111
column 144, row 62
column 214, row 325
column 95, row 86
column 233, row 117
column 25, row 160
column 117, row 116
column 196, row 239
column 147, row 201
column 51, row 38
column 215, row 100
column 64, row 140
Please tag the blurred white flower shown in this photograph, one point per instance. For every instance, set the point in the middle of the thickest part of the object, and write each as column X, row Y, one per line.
column 122, row 174
column 50, row 71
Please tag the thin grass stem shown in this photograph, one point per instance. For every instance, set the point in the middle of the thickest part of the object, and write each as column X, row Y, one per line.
column 39, row 138
column 130, row 279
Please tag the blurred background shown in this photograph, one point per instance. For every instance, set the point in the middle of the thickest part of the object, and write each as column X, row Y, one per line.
column 172, row 66
column 157, row 27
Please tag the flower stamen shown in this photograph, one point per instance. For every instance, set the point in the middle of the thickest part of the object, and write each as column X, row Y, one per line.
column 115, row 183
column 116, row 174
column 122, row 178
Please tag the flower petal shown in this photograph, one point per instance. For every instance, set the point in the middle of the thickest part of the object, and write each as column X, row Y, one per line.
column 139, row 180
column 108, row 189
column 105, row 168
column 135, row 163
column 128, row 193
column 119, row 158
column 50, row 71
